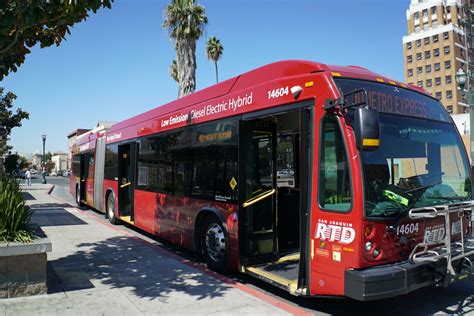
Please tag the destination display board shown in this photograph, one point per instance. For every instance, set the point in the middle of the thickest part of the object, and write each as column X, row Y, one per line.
column 393, row 99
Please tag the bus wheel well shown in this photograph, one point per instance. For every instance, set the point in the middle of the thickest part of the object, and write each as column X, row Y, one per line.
column 198, row 229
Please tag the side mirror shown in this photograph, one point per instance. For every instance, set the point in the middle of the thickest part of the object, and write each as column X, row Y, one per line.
column 367, row 128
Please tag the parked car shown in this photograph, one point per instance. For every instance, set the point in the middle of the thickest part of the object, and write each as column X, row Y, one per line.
column 33, row 171
column 54, row 174
column 66, row 173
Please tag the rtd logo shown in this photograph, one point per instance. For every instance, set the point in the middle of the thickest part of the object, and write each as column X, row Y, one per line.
column 345, row 235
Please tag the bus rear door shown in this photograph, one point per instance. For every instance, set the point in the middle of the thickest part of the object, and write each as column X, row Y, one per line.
column 126, row 178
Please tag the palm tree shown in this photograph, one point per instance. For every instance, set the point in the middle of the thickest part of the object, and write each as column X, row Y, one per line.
column 174, row 71
column 185, row 21
column 214, row 51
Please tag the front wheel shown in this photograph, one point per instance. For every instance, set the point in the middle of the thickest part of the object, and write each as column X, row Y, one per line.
column 214, row 244
column 111, row 209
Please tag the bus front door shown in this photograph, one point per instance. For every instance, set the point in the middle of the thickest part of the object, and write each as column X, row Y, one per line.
column 126, row 178
column 258, row 190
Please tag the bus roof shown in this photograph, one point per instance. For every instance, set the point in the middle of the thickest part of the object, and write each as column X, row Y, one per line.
column 281, row 69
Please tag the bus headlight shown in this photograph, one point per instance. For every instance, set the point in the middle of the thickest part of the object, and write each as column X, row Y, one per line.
column 368, row 246
column 376, row 253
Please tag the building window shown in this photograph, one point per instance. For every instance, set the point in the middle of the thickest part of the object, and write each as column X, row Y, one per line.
column 425, row 13
column 449, row 94
column 427, row 54
column 428, row 68
column 437, row 67
column 429, row 83
column 447, row 64
column 446, row 49
column 436, row 52
column 409, row 59
column 427, row 40
column 417, row 15
column 435, row 38
column 409, row 45
column 437, row 81
column 425, row 26
column 418, row 56
column 410, row 72
column 449, row 108
column 417, row 28
column 448, row 9
column 446, row 35
column 418, row 43
column 448, row 79
column 419, row 70
column 433, row 10
column 438, row 95
column 434, row 23
column 420, row 84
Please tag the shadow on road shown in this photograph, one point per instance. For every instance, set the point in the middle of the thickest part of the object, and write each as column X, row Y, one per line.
column 123, row 262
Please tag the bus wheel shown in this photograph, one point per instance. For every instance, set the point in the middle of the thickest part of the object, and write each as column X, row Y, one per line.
column 111, row 209
column 214, row 244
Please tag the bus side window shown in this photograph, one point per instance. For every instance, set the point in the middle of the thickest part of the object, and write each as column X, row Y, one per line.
column 334, row 175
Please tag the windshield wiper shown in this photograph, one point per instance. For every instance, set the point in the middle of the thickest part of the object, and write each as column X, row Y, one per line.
column 409, row 207
column 423, row 187
column 447, row 198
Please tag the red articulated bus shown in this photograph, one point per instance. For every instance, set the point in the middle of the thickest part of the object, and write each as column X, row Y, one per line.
column 322, row 180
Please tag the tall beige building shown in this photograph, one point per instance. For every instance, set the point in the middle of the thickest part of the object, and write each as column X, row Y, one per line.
column 436, row 47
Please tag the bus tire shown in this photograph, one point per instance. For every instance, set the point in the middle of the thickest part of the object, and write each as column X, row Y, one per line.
column 78, row 196
column 110, row 209
column 214, row 243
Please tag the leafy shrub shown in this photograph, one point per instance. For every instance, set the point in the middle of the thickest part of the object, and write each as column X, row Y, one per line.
column 15, row 215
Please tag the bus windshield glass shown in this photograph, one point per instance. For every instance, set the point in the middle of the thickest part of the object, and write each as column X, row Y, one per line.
column 420, row 161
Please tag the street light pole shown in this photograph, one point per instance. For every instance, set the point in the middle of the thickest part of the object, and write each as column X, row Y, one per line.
column 43, row 159
column 461, row 79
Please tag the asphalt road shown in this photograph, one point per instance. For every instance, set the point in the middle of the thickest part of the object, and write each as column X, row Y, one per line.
column 456, row 299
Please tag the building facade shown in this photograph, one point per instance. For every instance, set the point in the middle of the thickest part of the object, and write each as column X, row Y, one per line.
column 61, row 161
column 437, row 45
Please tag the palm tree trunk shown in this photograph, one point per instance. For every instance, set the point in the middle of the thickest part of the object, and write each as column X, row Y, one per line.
column 217, row 73
column 186, row 60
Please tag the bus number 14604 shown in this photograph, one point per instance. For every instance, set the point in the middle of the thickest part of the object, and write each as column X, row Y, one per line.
column 276, row 93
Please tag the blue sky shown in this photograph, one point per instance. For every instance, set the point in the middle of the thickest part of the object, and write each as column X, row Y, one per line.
column 115, row 64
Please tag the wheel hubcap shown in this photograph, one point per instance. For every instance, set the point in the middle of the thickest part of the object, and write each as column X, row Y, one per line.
column 215, row 242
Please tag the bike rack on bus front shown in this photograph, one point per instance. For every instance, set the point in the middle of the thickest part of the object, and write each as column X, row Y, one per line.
column 428, row 252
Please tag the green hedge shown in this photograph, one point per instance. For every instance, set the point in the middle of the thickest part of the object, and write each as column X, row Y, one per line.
column 15, row 215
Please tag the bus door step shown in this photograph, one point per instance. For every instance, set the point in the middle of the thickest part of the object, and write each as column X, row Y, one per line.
column 282, row 273
column 126, row 219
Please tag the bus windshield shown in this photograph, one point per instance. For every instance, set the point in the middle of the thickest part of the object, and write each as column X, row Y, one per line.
column 420, row 161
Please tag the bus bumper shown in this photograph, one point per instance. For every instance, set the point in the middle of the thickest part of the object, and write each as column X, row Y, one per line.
column 393, row 280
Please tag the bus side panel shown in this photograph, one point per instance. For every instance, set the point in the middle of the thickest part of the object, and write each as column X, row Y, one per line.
column 90, row 192
column 173, row 218
column 99, row 174
column 144, row 211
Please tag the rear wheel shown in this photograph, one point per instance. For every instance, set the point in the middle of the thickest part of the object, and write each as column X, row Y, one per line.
column 214, row 244
column 111, row 209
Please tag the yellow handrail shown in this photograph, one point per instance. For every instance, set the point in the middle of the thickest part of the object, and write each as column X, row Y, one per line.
column 126, row 184
column 258, row 198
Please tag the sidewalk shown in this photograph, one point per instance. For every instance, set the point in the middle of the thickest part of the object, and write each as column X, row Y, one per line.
column 100, row 269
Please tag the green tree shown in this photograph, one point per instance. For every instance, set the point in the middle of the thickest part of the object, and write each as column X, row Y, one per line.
column 214, row 51
column 23, row 24
column 185, row 22
column 9, row 119
column 174, row 71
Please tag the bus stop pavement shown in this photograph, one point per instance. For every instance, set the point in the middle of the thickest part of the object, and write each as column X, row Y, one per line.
column 99, row 269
